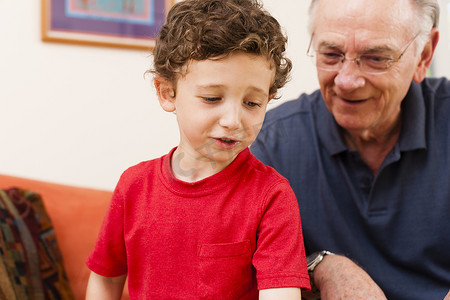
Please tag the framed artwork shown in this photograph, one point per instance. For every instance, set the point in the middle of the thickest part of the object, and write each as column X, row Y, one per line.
column 117, row 23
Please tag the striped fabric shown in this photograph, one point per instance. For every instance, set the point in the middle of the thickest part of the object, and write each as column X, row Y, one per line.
column 31, row 265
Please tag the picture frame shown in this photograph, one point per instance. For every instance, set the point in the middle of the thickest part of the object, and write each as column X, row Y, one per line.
column 114, row 23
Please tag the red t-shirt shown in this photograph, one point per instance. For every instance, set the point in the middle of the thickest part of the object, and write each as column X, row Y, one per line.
column 225, row 236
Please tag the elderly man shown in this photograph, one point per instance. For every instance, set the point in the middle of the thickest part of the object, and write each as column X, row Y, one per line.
column 368, row 155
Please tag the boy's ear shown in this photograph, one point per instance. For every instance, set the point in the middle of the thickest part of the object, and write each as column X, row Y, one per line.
column 166, row 93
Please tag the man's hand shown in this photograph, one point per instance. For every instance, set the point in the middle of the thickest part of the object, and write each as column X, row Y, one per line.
column 448, row 296
column 338, row 278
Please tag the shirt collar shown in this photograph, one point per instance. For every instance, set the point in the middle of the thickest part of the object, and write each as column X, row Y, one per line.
column 413, row 125
column 411, row 137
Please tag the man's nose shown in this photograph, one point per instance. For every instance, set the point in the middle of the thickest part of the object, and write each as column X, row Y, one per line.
column 349, row 76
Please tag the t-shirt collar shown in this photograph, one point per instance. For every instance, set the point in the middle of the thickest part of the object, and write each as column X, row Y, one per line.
column 205, row 186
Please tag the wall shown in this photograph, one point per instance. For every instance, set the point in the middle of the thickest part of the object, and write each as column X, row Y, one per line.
column 441, row 64
column 80, row 115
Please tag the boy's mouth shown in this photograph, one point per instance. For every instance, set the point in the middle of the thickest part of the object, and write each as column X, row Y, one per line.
column 226, row 140
column 226, row 143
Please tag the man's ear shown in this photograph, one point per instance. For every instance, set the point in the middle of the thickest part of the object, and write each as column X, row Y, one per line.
column 166, row 93
column 426, row 56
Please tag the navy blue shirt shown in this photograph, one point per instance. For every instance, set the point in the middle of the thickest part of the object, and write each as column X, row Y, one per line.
column 396, row 225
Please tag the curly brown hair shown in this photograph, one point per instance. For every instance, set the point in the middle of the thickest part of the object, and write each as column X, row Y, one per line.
column 212, row 29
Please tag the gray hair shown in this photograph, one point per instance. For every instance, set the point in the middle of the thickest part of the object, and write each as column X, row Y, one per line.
column 428, row 17
column 427, row 14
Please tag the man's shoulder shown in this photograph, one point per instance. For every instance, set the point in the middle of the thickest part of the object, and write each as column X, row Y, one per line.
column 436, row 87
column 289, row 127
column 290, row 109
column 436, row 97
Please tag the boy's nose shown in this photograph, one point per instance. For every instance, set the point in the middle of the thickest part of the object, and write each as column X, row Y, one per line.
column 231, row 117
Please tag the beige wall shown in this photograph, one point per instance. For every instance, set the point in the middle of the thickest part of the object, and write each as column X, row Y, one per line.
column 80, row 115
column 441, row 64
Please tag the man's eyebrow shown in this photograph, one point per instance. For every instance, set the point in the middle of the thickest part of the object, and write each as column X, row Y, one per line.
column 381, row 48
column 369, row 49
column 327, row 44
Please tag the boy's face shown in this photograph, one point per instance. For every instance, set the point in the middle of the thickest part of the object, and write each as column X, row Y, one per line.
column 220, row 106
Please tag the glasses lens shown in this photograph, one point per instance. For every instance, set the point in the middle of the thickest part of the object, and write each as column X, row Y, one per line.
column 328, row 60
column 372, row 63
column 367, row 63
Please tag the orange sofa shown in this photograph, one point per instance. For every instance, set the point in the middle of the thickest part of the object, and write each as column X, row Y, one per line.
column 76, row 214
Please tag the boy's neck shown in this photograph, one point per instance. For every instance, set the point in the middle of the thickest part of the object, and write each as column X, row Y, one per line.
column 189, row 167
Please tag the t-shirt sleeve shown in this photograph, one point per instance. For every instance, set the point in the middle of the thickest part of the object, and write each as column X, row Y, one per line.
column 279, row 258
column 108, row 258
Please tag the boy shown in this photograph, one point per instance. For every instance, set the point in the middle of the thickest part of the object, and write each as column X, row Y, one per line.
column 208, row 220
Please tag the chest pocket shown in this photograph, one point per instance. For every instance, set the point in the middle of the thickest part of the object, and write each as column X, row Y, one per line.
column 225, row 271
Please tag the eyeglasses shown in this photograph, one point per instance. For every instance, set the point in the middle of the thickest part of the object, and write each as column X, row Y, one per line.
column 330, row 60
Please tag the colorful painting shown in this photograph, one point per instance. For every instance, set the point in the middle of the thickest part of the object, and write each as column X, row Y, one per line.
column 124, row 23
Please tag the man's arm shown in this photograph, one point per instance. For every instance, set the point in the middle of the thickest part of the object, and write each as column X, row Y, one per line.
column 280, row 293
column 338, row 277
column 108, row 288
column 448, row 296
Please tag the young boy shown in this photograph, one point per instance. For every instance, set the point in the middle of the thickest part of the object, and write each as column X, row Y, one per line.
column 207, row 220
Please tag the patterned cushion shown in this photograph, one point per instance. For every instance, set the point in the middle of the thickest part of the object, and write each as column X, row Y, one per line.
column 31, row 265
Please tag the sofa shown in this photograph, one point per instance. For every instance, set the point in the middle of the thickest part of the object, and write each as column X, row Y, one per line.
column 76, row 214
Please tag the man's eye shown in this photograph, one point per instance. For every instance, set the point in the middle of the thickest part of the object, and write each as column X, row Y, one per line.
column 376, row 61
column 330, row 57
column 332, row 54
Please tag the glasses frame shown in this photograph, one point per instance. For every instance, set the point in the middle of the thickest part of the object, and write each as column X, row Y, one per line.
column 358, row 58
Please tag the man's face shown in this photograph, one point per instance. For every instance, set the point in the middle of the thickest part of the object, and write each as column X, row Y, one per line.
column 360, row 102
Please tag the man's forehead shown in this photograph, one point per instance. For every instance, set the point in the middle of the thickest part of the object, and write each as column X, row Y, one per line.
column 364, row 23
column 352, row 8
column 386, row 14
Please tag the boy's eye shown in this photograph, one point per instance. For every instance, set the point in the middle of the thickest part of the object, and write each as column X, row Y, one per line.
column 252, row 104
column 211, row 99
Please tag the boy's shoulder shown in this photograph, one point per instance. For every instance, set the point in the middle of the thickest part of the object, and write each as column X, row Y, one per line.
column 140, row 172
column 143, row 167
column 264, row 172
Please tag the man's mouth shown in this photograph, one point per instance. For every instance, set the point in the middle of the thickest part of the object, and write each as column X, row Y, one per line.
column 354, row 100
